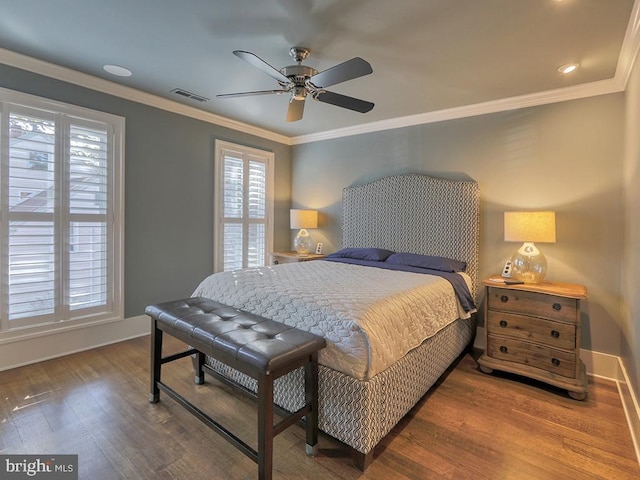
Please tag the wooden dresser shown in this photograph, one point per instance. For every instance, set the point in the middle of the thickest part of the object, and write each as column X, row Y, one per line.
column 534, row 330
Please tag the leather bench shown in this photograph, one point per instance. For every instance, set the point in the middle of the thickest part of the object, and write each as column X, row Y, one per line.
column 260, row 348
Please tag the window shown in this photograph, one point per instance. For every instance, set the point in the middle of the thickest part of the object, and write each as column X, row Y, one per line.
column 243, row 205
column 60, row 218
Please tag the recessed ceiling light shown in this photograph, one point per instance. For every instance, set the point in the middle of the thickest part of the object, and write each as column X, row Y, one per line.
column 117, row 70
column 568, row 68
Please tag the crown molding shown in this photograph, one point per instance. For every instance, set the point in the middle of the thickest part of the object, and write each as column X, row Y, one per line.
column 68, row 75
column 584, row 90
column 626, row 60
column 630, row 46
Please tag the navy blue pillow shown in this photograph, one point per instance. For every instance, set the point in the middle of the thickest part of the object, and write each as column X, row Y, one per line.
column 371, row 254
column 427, row 261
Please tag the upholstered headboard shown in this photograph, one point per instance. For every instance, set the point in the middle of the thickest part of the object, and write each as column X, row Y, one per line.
column 415, row 213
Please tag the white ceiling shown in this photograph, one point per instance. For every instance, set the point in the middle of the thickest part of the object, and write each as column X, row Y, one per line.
column 428, row 56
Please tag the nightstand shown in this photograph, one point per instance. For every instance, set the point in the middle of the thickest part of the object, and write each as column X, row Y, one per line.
column 534, row 330
column 293, row 257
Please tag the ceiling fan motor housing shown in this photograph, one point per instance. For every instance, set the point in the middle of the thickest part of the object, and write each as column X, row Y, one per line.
column 298, row 74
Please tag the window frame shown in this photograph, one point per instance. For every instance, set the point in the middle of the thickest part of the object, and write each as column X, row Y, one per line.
column 64, row 317
column 246, row 153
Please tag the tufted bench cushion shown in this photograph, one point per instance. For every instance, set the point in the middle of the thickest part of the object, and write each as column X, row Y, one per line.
column 237, row 338
column 256, row 346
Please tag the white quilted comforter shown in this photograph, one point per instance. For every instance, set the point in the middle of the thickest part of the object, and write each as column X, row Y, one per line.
column 369, row 316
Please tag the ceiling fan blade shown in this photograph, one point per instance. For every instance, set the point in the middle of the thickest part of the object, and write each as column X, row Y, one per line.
column 354, row 68
column 247, row 94
column 343, row 101
column 296, row 107
column 261, row 64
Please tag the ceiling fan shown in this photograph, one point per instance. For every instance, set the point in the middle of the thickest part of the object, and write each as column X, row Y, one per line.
column 301, row 80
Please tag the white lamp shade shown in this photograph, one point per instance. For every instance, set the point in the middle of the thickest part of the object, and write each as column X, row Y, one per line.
column 530, row 227
column 303, row 218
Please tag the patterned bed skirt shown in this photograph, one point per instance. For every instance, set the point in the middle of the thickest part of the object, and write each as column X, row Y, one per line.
column 360, row 413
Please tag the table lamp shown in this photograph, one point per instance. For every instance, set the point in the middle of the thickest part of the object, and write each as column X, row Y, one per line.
column 528, row 264
column 303, row 219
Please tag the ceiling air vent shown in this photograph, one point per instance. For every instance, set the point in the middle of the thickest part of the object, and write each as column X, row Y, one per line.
column 192, row 96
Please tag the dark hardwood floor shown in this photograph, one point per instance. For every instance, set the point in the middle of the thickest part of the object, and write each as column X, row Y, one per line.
column 471, row 426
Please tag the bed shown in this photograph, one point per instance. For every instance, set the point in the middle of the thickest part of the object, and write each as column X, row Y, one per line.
column 390, row 333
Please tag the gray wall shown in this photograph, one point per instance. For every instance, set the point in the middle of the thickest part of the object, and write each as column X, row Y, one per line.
column 169, row 183
column 565, row 157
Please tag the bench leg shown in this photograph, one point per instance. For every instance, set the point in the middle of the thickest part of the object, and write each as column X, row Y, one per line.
column 198, row 362
column 265, row 427
column 156, row 361
column 311, row 398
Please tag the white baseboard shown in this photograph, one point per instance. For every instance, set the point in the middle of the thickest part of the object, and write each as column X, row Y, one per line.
column 35, row 349
column 612, row 368
column 630, row 405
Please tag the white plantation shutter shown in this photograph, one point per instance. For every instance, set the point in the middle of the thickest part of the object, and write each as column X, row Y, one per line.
column 88, row 226
column 257, row 213
column 244, row 206
column 58, row 244
column 29, row 243
column 31, row 285
column 233, row 207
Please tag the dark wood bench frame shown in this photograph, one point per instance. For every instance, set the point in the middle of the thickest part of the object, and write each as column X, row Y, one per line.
column 266, row 428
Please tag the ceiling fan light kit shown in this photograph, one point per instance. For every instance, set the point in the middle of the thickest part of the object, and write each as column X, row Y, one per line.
column 301, row 81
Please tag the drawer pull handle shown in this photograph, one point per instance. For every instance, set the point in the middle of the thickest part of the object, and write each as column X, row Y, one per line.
column 555, row 361
column 504, row 349
column 557, row 307
column 504, row 299
column 276, row 262
column 555, row 333
column 503, row 323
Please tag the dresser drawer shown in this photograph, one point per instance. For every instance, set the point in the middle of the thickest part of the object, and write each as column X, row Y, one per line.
column 532, row 354
column 548, row 332
column 551, row 307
